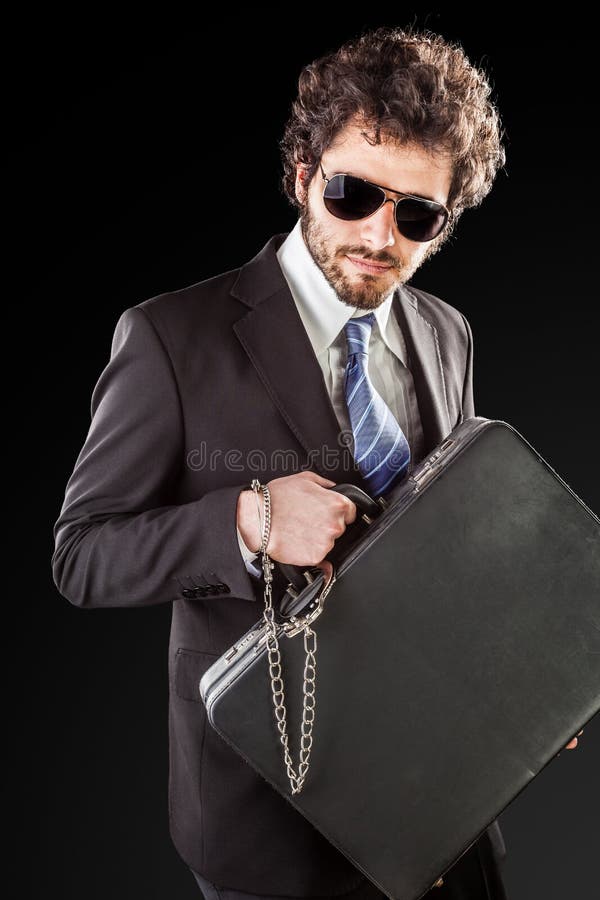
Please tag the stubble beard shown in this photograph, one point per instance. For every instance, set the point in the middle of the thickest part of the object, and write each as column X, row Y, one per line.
column 368, row 292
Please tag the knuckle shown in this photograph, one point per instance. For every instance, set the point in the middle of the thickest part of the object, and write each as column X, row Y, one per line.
column 350, row 507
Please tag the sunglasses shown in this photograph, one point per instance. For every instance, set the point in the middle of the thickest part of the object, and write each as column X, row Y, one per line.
column 350, row 198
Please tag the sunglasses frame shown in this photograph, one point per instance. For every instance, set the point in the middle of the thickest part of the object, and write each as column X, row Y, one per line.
column 384, row 201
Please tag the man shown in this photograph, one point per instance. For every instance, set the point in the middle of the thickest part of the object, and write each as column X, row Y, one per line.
column 247, row 375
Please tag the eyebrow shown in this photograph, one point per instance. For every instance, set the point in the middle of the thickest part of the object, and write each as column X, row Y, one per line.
column 412, row 193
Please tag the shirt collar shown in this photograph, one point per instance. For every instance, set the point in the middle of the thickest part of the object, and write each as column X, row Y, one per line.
column 322, row 312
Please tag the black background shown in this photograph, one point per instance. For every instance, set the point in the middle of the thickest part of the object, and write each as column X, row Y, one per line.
column 145, row 158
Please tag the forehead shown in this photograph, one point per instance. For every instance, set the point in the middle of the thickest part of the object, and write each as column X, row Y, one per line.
column 408, row 168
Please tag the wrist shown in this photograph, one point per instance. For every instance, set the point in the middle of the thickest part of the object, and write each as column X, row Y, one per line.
column 248, row 520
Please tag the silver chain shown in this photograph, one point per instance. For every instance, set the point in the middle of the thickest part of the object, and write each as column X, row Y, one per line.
column 275, row 670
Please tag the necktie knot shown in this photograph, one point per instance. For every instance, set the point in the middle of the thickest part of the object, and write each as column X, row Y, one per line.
column 358, row 333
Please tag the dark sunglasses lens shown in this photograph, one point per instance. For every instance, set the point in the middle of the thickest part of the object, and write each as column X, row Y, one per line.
column 350, row 198
column 419, row 220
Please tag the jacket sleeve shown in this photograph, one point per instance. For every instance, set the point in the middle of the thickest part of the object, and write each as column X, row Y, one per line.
column 118, row 540
column 468, row 402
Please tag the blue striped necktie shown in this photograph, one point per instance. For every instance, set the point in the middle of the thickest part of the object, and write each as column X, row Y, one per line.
column 380, row 447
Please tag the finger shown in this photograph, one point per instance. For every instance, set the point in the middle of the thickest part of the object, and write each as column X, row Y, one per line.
column 319, row 479
column 349, row 511
column 574, row 739
column 327, row 568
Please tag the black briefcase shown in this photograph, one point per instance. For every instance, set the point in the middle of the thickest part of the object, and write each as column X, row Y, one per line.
column 458, row 653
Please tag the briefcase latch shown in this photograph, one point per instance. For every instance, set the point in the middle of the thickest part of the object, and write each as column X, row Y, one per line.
column 424, row 474
column 430, row 466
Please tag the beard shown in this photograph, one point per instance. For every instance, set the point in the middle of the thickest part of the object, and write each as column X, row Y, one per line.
column 366, row 292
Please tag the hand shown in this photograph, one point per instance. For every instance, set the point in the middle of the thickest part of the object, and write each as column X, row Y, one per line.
column 573, row 742
column 306, row 518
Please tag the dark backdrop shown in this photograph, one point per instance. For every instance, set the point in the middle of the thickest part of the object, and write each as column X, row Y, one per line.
column 146, row 159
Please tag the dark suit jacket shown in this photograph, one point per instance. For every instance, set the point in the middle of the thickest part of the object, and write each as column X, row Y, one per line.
column 197, row 379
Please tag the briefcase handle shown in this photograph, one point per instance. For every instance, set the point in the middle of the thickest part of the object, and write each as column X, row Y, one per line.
column 363, row 501
column 298, row 577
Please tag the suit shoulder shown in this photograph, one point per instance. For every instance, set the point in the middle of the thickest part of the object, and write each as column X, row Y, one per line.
column 444, row 314
column 177, row 307
column 195, row 317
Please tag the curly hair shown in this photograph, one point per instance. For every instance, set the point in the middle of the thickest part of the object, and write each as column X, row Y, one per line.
column 409, row 87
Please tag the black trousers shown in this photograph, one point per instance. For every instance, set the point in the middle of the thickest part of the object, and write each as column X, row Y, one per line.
column 475, row 876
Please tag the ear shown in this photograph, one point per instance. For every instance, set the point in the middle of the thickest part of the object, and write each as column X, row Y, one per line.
column 301, row 185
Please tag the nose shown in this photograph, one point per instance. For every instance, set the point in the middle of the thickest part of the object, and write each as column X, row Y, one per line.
column 378, row 229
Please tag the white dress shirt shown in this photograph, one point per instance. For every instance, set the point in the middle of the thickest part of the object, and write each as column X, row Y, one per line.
column 324, row 316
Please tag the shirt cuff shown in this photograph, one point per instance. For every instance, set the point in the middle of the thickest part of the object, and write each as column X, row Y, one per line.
column 244, row 550
column 249, row 556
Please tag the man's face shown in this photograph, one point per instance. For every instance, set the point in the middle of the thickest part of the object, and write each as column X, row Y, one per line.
column 333, row 242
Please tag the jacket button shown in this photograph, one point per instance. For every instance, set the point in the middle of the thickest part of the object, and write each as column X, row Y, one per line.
column 200, row 592
column 222, row 587
column 188, row 593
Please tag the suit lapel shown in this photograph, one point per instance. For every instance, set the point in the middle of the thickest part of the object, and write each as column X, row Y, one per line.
column 425, row 364
column 275, row 340
column 273, row 336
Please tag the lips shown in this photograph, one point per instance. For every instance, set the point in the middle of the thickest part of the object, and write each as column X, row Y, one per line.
column 367, row 265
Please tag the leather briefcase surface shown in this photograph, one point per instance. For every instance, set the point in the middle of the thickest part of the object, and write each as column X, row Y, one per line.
column 458, row 653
